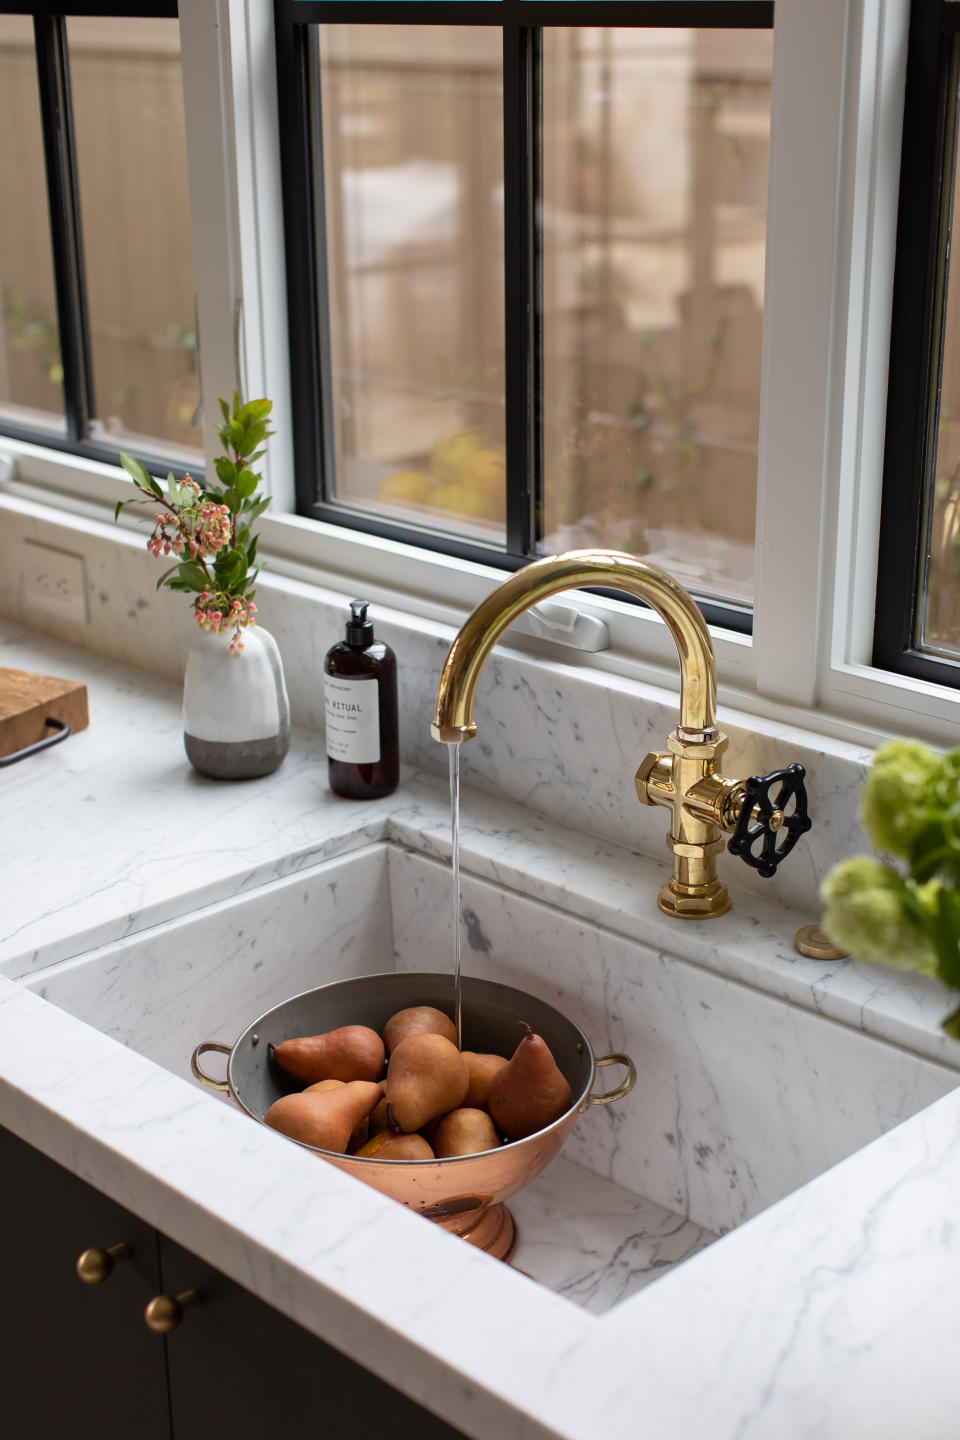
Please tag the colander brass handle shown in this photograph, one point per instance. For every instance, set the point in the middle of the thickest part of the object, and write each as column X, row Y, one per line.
column 625, row 1086
column 202, row 1075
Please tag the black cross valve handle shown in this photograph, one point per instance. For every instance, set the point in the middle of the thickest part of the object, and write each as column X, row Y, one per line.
column 766, row 831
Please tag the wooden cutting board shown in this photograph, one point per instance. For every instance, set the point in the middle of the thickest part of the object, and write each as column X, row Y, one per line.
column 26, row 700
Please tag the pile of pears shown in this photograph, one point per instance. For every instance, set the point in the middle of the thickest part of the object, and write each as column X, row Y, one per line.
column 435, row 1101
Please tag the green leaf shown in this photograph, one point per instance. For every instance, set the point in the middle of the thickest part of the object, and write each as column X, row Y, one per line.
column 230, row 568
column 191, row 576
column 951, row 1026
column 255, row 410
column 140, row 475
column 122, row 505
column 166, row 573
column 252, row 437
column 224, row 409
column 252, row 550
column 254, row 512
column 946, row 937
column 232, row 501
column 237, row 434
column 245, row 484
column 226, row 469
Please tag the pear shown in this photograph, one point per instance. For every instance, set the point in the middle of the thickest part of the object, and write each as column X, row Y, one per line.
column 352, row 1052
column 529, row 1092
column 379, row 1119
column 417, row 1020
column 360, row 1131
column 389, row 1145
column 426, row 1077
column 325, row 1119
column 482, row 1068
column 464, row 1132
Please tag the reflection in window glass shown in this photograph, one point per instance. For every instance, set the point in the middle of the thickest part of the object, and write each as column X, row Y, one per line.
column 655, row 154
column 131, row 158
column 31, row 379
column 413, row 207
column 938, row 612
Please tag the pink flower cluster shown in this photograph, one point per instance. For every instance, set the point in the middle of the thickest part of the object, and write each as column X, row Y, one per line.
column 217, row 612
column 199, row 529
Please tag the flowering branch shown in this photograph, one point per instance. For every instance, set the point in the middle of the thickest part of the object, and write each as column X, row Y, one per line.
column 210, row 530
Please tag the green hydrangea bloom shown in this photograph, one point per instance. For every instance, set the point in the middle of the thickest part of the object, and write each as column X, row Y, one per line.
column 899, row 794
column 867, row 909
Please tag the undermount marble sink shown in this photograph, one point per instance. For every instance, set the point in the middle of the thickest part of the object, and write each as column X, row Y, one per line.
column 740, row 1099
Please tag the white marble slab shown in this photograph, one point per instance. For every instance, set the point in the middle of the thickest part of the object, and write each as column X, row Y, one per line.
column 595, row 1242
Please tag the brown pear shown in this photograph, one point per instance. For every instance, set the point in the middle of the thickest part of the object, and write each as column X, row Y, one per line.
column 352, row 1052
column 482, row 1068
column 529, row 1092
column 360, row 1131
column 426, row 1077
column 379, row 1119
column 417, row 1020
column 325, row 1119
column 390, row 1145
column 464, row 1132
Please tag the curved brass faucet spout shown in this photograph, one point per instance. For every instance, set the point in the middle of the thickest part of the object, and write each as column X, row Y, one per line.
column 684, row 778
column 612, row 569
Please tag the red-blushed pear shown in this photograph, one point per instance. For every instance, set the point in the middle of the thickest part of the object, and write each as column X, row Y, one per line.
column 529, row 1093
column 325, row 1119
column 352, row 1052
column 426, row 1077
column 465, row 1131
column 392, row 1145
column 417, row 1020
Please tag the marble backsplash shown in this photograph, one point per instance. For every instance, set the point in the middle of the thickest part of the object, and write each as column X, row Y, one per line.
column 560, row 739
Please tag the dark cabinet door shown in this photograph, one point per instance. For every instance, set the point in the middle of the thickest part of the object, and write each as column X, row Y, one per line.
column 239, row 1368
column 76, row 1360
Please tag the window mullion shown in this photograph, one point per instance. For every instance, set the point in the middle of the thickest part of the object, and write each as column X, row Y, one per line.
column 57, row 120
column 521, row 284
column 801, row 295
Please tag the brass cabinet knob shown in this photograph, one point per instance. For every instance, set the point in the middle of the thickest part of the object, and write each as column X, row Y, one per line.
column 165, row 1312
column 96, row 1265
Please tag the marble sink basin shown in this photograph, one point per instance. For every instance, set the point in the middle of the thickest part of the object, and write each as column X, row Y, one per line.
column 741, row 1098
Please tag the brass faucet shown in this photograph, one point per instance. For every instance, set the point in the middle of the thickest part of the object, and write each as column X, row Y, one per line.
column 703, row 803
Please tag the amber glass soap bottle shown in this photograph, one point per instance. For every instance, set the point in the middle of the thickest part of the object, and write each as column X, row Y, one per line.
column 360, row 695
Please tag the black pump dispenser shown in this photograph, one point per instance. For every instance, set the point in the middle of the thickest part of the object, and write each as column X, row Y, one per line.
column 360, row 696
column 359, row 633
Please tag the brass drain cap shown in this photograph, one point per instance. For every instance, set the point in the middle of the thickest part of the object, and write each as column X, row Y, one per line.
column 813, row 941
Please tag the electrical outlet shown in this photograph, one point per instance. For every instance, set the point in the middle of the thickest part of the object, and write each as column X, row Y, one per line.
column 54, row 582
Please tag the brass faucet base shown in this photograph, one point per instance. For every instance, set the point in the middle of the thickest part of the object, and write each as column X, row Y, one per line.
column 694, row 902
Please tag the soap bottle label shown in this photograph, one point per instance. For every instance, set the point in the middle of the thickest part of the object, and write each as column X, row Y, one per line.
column 353, row 719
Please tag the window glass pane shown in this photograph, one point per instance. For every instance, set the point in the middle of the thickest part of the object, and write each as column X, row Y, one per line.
column 655, row 155
column 413, row 227
column 938, row 611
column 131, row 159
column 31, row 388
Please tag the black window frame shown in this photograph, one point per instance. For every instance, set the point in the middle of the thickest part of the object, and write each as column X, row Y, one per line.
column 521, row 22
column 66, row 232
column 927, row 165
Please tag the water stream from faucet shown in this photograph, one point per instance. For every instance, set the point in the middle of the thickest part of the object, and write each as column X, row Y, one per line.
column 454, row 752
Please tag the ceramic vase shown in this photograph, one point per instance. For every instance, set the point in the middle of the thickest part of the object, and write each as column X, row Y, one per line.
column 236, row 714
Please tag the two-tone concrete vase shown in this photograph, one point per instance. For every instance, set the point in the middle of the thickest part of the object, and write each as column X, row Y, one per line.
column 236, row 714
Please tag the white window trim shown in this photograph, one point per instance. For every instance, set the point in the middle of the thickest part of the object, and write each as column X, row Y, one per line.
column 837, row 104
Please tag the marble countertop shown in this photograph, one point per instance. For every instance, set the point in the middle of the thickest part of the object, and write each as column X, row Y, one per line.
column 831, row 1314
